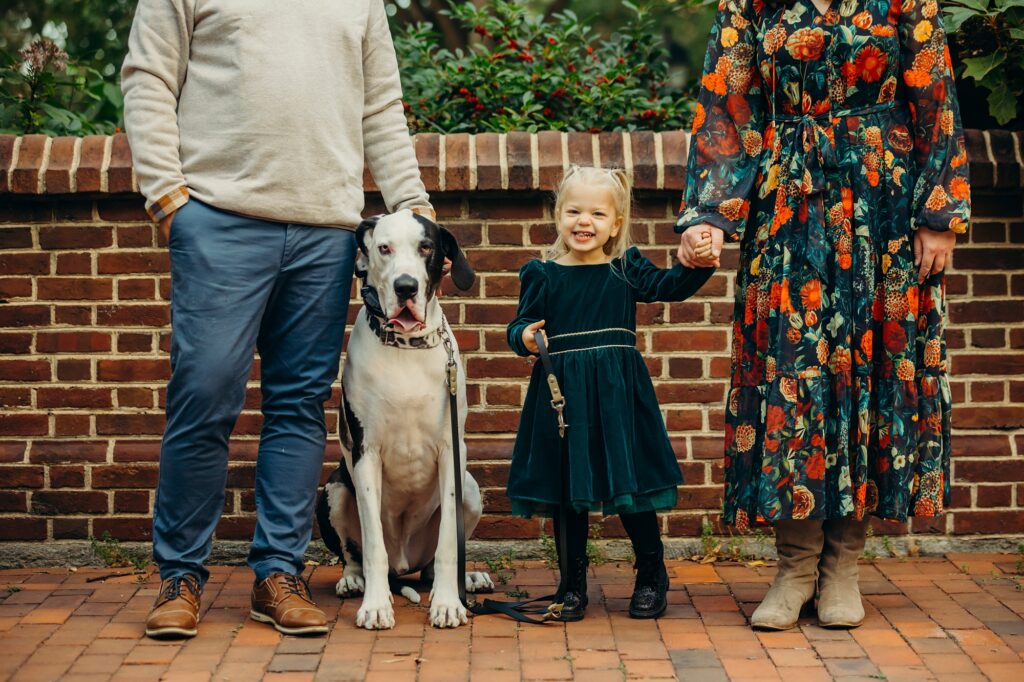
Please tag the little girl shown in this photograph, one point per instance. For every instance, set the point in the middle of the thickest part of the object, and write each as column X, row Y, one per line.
column 584, row 297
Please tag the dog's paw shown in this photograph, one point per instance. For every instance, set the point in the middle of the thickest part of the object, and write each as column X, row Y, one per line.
column 479, row 582
column 376, row 616
column 447, row 612
column 350, row 586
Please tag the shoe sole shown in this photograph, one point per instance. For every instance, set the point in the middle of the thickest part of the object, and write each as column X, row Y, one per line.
column 772, row 628
column 840, row 625
column 308, row 630
column 170, row 633
column 643, row 615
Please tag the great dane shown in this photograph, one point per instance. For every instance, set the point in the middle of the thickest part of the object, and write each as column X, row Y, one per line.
column 389, row 509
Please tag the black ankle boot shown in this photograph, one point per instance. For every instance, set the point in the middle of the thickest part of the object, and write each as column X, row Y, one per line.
column 573, row 590
column 650, row 598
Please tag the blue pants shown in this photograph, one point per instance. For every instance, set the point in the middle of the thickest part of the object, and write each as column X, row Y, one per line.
column 239, row 283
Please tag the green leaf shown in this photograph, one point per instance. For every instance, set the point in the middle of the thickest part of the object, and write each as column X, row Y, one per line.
column 956, row 16
column 979, row 5
column 1002, row 104
column 1017, row 33
column 1007, row 4
column 978, row 67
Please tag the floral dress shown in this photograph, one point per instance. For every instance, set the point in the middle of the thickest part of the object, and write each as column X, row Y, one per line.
column 821, row 142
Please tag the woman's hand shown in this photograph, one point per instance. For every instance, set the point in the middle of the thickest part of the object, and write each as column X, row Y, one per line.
column 691, row 251
column 932, row 252
column 529, row 341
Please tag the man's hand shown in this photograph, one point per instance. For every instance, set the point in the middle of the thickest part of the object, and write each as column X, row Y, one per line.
column 529, row 341
column 165, row 226
column 932, row 251
column 693, row 253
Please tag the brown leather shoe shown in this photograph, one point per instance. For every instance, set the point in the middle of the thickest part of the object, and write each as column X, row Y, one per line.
column 284, row 600
column 176, row 609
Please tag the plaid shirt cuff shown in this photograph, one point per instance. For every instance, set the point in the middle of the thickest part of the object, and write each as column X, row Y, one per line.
column 168, row 204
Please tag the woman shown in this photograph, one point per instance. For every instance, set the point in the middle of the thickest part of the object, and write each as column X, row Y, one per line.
column 827, row 142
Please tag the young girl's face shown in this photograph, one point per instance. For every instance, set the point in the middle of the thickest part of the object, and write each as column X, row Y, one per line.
column 587, row 221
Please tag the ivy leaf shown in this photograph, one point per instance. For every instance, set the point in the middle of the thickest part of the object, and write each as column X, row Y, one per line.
column 1007, row 4
column 1017, row 33
column 978, row 67
column 1002, row 104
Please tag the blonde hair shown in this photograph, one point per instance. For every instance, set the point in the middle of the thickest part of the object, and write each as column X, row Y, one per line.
column 616, row 180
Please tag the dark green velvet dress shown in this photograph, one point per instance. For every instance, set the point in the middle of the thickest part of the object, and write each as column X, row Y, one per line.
column 620, row 458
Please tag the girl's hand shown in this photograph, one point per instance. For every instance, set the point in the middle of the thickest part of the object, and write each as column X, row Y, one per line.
column 692, row 240
column 528, row 340
column 932, row 251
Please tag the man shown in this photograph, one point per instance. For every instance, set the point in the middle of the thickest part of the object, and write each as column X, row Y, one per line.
column 249, row 122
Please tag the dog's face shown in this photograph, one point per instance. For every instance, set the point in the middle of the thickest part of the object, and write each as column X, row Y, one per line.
column 402, row 255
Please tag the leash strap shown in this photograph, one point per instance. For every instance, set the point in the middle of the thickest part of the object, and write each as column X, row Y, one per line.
column 549, row 606
column 452, row 379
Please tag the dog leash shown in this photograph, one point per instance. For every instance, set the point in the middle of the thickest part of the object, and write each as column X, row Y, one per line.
column 524, row 611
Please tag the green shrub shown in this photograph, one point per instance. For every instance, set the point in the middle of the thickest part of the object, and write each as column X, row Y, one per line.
column 527, row 72
column 44, row 91
column 989, row 36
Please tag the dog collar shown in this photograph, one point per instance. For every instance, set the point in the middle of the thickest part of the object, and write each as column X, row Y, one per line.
column 389, row 337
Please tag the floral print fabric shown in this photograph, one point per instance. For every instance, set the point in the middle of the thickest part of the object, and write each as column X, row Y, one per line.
column 821, row 142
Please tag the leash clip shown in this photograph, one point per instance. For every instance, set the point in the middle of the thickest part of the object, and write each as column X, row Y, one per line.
column 558, row 404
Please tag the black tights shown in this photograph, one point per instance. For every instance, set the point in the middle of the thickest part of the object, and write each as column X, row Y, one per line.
column 641, row 527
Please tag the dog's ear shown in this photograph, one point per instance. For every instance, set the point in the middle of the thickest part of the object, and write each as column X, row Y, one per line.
column 462, row 274
column 362, row 256
column 367, row 225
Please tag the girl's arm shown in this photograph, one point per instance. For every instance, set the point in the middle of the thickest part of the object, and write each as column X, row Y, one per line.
column 942, row 199
column 728, row 125
column 532, row 295
column 652, row 283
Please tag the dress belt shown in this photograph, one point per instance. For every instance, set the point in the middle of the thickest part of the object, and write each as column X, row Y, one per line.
column 814, row 167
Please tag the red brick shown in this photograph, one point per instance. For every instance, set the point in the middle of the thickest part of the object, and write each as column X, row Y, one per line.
column 57, row 451
column 70, row 529
column 119, row 172
column 7, row 143
column 135, row 424
column 427, row 145
column 989, row 417
column 74, row 264
column 689, row 340
column 456, row 174
column 24, row 263
column 138, row 451
column 67, row 476
column 71, row 425
column 965, row 522
column 78, row 315
column 56, row 502
column 492, row 421
column 21, row 476
column 67, row 397
column 133, row 315
column 673, row 150
column 131, row 502
column 520, row 161
column 15, row 397
column 74, row 288
column 58, row 171
column 73, row 342
column 74, row 370
column 133, row 370
column 24, row 528
column 131, row 210
column 15, row 237
column 26, row 173
column 16, row 343
column 66, row 237
column 13, row 501
column 124, row 476
column 549, row 151
column 90, row 163
column 24, row 370
column 124, row 528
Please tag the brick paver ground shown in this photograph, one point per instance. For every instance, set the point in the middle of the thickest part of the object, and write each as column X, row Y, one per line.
column 957, row 618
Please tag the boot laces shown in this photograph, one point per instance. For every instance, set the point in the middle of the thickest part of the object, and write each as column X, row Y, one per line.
column 172, row 590
column 297, row 585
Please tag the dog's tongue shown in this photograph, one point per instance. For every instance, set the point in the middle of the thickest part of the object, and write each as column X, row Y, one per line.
column 405, row 322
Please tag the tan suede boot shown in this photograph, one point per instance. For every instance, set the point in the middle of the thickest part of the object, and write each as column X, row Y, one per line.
column 839, row 604
column 798, row 544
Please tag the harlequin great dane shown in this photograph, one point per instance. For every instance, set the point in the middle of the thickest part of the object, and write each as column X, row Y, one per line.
column 389, row 509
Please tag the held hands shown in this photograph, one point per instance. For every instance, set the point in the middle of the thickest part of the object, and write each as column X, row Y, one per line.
column 932, row 251
column 528, row 340
column 701, row 246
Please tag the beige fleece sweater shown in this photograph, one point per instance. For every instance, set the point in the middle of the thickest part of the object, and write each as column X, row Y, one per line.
column 267, row 108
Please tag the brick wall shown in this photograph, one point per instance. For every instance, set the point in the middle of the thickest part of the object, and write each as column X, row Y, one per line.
column 84, row 329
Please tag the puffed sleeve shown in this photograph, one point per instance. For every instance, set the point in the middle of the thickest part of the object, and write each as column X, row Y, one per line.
column 532, row 299
column 728, row 125
column 942, row 195
column 652, row 283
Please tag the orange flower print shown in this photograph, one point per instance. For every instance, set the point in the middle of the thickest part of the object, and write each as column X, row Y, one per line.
column 871, row 63
column 899, row 138
column 929, row 9
column 925, row 60
column 782, row 216
column 803, row 502
column 729, row 36
column 923, row 31
column 841, row 360
column 698, row 118
column 916, row 79
column 946, row 122
column 788, row 388
column 806, row 44
column 905, row 370
column 847, row 195
column 734, row 209
column 924, row 507
column 745, row 436
column 867, row 344
column 873, row 178
column 862, row 19
column 810, row 294
column 932, row 353
column 822, row 351
column 774, row 39
column 960, row 188
column 742, row 521
column 845, row 261
column 715, row 83
column 752, row 143
column 815, row 467
column 937, row 199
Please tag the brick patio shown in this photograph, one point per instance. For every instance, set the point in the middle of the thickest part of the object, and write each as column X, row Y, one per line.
column 958, row 618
